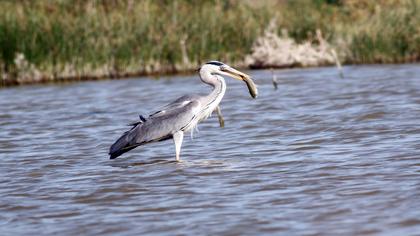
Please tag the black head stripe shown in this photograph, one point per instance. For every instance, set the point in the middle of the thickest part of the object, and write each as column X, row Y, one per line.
column 216, row 63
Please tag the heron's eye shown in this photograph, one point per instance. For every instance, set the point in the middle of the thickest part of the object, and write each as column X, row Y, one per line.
column 222, row 68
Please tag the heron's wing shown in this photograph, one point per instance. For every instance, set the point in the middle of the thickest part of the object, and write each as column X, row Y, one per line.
column 170, row 121
column 157, row 127
column 178, row 103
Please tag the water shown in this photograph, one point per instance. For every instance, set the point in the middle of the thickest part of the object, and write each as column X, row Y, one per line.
column 319, row 156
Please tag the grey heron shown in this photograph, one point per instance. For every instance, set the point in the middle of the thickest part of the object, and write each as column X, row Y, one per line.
column 182, row 115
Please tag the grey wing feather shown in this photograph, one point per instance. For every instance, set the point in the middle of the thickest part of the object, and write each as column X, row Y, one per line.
column 157, row 127
column 178, row 103
column 142, row 120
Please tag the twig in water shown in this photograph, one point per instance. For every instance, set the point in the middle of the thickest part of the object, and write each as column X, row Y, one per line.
column 337, row 63
column 220, row 116
column 274, row 79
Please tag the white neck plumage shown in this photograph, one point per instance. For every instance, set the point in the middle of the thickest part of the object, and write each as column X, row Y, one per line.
column 212, row 100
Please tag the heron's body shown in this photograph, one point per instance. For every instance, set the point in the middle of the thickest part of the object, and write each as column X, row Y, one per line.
column 178, row 117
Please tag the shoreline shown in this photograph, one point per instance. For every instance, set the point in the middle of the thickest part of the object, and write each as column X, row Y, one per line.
column 127, row 75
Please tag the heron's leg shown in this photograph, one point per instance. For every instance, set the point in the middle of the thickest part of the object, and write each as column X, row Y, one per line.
column 178, row 137
column 219, row 114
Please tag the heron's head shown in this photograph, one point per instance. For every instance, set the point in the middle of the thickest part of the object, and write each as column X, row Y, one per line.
column 220, row 68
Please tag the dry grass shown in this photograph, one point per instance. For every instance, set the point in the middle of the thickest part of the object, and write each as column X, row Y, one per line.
column 274, row 51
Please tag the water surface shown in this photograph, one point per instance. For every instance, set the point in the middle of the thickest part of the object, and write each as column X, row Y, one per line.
column 319, row 156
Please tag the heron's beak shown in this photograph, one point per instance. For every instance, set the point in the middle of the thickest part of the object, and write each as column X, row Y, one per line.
column 244, row 77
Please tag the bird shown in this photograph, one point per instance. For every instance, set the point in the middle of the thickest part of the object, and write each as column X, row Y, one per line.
column 183, row 114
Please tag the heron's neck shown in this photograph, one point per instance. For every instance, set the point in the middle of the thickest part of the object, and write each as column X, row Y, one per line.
column 219, row 88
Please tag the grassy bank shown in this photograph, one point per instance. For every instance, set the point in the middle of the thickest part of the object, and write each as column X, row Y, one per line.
column 63, row 39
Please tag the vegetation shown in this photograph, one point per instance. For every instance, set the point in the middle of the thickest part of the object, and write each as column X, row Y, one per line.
column 63, row 39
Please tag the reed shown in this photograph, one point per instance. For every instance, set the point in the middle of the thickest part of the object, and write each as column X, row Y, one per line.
column 56, row 40
column 94, row 38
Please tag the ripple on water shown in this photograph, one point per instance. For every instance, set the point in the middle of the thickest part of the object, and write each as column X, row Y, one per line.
column 320, row 155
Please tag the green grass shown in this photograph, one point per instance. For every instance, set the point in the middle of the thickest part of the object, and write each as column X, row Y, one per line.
column 66, row 38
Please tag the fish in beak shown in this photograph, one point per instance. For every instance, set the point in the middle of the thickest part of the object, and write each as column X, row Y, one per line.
column 252, row 88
